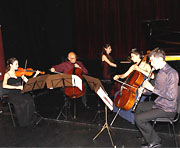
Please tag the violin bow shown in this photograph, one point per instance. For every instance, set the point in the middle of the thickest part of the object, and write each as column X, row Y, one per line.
column 25, row 66
column 126, row 84
column 56, row 72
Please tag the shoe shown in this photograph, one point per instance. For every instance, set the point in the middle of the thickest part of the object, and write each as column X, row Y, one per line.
column 151, row 145
column 145, row 145
column 154, row 145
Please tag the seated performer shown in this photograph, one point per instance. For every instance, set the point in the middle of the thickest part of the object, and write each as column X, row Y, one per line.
column 107, row 62
column 165, row 105
column 107, row 69
column 140, row 66
column 23, row 103
column 72, row 63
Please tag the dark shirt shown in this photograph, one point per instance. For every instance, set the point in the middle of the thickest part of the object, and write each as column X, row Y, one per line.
column 65, row 67
column 166, row 87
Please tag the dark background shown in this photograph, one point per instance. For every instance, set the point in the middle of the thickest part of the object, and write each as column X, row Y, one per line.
column 44, row 31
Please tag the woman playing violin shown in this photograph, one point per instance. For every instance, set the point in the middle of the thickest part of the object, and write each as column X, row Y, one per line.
column 140, row 66
column 23, row 103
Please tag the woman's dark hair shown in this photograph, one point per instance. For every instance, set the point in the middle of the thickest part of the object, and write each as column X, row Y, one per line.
column 103, row 52
column 9, row 61
column 136, row 52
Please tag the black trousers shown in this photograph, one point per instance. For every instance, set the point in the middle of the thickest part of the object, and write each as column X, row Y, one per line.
column 144, row 114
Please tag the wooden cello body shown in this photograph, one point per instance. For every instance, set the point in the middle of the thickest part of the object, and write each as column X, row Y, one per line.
column 126, row 97
column 74, row 92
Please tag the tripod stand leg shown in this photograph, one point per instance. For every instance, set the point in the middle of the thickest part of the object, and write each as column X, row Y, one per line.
column 61, row 112
column 74, row 109
column 66, row 109
column 40, row 118
column 115, row 117
column 100, row 131
column 105, row 126
column 110, row 135
column 98, row 113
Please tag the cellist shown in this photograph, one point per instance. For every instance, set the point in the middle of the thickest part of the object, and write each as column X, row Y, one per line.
column 65, row 67
column 140, row 66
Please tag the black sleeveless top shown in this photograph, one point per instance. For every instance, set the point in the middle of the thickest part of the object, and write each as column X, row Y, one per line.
column 15, row 82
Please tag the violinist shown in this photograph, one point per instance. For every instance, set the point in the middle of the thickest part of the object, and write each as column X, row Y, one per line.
column 165, row 105
column 140, row 66
column 23, row 103
column 67, row 66
column 108, row 66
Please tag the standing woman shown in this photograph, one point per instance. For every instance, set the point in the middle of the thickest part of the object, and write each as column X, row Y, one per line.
column 140, row 66
column 23, row 103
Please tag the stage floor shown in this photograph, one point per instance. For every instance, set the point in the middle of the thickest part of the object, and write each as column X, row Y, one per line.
column 79, row 132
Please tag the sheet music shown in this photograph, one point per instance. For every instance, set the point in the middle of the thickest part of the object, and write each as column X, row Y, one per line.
column 76, row 81
column 105, row 98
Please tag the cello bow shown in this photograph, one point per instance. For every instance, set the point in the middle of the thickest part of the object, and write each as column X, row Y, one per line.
column 140, row 94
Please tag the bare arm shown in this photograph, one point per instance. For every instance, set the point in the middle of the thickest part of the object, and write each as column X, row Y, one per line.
column 145, row 70
column 104, row 58
column 122, row 76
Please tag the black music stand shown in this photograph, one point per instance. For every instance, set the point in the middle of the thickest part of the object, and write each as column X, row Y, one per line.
column 32, row 85
column 62, row 80
column 96, row 85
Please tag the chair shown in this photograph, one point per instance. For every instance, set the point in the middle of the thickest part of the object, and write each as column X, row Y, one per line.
column 4, row 100
column 171, row 120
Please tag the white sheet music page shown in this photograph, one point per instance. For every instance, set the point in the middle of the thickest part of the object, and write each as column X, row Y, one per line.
column 105, row 98
column 76, row 81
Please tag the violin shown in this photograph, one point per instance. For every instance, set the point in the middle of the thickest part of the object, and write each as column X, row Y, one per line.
column 28, row 72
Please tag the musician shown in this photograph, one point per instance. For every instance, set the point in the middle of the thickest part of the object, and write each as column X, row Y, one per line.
column 67, row 66
column 166, row 87
column 108, row 66
column 107, row 61
column 140, row 66
column 23, row 103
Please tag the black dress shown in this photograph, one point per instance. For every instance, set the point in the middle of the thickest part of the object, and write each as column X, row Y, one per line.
column 23, row 103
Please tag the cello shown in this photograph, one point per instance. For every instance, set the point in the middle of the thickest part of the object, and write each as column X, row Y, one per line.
column 126, row 97
column 72, row 91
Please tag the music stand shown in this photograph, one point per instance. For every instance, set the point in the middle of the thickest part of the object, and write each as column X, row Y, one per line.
column 35, row 84
column 61, row 80
column 96, row 85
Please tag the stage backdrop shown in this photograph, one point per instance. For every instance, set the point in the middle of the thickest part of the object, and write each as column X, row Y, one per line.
column 120, row 23
column 44, row 31
column 2, row 60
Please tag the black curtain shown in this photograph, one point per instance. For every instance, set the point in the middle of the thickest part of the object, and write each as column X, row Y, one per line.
column 120, row 23
column 44, row 31
column 40, row 31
